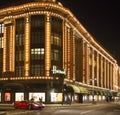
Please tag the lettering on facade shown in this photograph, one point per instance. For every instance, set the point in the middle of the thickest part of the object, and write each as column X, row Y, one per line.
column 54, row 71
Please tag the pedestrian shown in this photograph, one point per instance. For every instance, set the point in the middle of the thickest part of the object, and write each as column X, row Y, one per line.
column 40, row 99
column 32, row 99
column 69, row 100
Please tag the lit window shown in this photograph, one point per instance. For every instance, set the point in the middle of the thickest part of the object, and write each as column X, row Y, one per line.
column 56, row 39
column 19, row 71
column 19, row 55
column 19, row 39
column 37, row 70
column 55, row 55
column 37, row 53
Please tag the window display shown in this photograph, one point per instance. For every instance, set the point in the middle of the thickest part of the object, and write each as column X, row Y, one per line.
column 7, row 96
column 37, row 96
column 19, row 96
column 56, row 97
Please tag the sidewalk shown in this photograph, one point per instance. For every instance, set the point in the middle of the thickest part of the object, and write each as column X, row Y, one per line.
column 79, row 104
column 4, row 107
column 2, row 113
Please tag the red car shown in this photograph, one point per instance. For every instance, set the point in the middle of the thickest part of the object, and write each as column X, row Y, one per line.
column 28, row 105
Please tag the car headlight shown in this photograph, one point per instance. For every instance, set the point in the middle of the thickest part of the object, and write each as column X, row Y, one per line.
column 36, row 105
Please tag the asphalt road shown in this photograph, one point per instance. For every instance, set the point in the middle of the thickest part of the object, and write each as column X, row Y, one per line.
column 91, row 109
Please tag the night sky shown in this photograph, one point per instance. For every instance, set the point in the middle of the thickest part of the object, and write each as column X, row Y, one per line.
column 101, row 18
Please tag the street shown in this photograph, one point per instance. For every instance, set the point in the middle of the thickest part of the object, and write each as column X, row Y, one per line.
column 91, row 109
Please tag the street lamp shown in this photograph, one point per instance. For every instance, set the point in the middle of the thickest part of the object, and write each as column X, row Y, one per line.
column 93, row 83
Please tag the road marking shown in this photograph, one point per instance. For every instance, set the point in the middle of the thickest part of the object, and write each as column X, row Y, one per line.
column 86, row 112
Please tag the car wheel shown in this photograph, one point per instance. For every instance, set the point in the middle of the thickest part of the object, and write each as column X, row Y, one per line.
column 30, row 107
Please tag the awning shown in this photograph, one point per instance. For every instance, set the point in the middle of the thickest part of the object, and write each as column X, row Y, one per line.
column 114, row 94
column 98, row 92
column 106, row 93
column 118, row 94
column 109, row 94
column 78, row 89
column 83, row 90
column 75, row 88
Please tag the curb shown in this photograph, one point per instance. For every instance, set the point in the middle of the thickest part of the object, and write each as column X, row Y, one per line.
column 65, row 105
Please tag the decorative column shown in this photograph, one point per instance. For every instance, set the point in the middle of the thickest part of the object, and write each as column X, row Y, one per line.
column 27, row 47
column 105, row 73
column 63, row 42
column 86, row 63
column 73, row 56
column 111, row 72
column 97, row 69
column 101, row 73
column 47, row 45
column 71, row 53
column 65, row 46
column 82, row 56
column 4, row 50
column 12, row 43
column 13, row 49
column 89, row 62
column 9, row 45
column 93, row 64
column 83, row 71
column 67, row 51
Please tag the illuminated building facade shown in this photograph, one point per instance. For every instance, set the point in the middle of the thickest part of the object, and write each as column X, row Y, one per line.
column 46, row 53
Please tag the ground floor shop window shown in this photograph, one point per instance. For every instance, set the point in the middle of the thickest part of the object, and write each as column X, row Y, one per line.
column 100, row 97
column 56, row 97
column 7, row 96
column 90, row 97
column 103, row 98
column 76, row 98
column 85, row 98
column 19, row 96
column 37, row 96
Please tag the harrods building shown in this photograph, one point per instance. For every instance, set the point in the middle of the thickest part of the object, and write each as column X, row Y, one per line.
column 45, row 52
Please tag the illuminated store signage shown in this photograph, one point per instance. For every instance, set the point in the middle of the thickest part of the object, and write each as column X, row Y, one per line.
column 54, row 70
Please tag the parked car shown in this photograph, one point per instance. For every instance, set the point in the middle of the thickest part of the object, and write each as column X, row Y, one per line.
column 28, row 105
